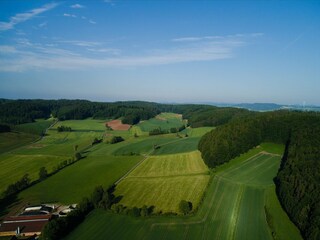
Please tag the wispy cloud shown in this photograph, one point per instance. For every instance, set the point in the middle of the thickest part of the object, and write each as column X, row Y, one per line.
column 111, row 2
column 7, row 49
column 22, row 17
column 206, row 38
column 38, row 57
column 82, row 17
column 69, row 15
column 112, row 51
column 41, row 25
column 81, row 43
column 77, row 6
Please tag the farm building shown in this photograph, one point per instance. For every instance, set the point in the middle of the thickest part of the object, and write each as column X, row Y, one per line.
column 23, row 225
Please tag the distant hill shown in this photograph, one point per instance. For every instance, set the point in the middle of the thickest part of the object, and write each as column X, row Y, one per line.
column 267, row 106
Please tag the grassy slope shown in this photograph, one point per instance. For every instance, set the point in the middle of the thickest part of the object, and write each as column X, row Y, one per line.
column 143, row 145
column 230, row 210
column 37, row 128
column 281, row 225
column 182, row 145
column 48, row 152
column 171, row 165
column 79, row 180
column 13, row 140
column 164, row 120
column 163, row 193
column 163, row 181
column 13, row 167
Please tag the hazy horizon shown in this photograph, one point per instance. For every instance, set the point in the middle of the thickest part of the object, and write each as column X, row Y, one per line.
column 161, row 51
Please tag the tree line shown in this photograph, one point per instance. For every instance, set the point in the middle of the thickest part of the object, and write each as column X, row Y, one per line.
column 14, row 112
column 298, row 179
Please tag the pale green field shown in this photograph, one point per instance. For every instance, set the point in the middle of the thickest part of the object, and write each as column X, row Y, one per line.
column 164, row 193
column 163, row 181
column 171, row 165
column 164, row 120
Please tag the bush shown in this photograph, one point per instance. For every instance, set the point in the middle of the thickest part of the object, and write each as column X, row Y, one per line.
column 185, row 207
column 43, row 173
column 77, row 156
column 96, row 141
column 157, row 131
column 64, row 129
column 116, row 139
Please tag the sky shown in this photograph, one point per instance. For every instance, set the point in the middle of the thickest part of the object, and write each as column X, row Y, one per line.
column 163, row 51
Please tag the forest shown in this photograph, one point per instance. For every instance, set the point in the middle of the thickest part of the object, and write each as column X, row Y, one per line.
column 298, row 179
column 15, row 112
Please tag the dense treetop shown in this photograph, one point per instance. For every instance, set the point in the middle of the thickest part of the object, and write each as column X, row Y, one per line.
column 24, row 111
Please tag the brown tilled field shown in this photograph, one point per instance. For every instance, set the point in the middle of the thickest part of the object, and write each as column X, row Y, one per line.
column 118, row 125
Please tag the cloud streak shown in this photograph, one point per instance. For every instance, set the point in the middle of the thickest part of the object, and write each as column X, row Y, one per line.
column 69, row 15
column 22, row 17
column 206, row 38
column 77, row 6
column 35, row 57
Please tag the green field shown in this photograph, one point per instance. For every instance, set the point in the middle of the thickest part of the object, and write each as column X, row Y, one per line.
column 233, row 208
column 37, row 128
column 171, row 165
column 47, row 152
column 13, row 140
column 143, row 145
column 14, row 166
column 78, row 180
column 163, row 181
column 180, row 146
column 197, row 132
column 164, row 120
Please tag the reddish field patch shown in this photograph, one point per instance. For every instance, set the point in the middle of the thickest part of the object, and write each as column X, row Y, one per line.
column 118, row 125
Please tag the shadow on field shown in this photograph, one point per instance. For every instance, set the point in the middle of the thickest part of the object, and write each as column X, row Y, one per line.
column 117, row 199
column 8, row 203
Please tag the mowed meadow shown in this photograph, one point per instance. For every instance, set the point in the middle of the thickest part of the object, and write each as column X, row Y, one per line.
column 163, row 181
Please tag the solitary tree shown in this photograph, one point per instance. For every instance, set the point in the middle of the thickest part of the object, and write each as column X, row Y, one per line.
column 185, row 207
column 75, row 148
column 77, row 156
column 43, row 173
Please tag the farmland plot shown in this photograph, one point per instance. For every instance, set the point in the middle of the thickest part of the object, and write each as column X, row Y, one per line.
column 233, row 208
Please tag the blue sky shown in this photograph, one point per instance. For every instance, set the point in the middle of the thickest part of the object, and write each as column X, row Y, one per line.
column 164, row 51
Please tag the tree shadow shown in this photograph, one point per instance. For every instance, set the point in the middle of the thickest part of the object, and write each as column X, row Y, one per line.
column 7, row 203
column 117, row 199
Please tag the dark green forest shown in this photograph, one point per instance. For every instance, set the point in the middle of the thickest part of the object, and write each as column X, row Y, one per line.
column 298, row 179
column 14, row 112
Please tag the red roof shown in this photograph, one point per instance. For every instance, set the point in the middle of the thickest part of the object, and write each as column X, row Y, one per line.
column 27, row 218
column 27, row 224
